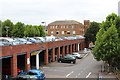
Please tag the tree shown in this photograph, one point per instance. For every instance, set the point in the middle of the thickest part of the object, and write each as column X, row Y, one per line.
column 41, row 30
column 0, row 28
column 18, row 30
column 107, row 44
column 7, row 27
column 91, row 32
column 117, row 23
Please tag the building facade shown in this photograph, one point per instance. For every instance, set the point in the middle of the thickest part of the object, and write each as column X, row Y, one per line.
column 27, row 56
column 119, row 8
column 67, row 28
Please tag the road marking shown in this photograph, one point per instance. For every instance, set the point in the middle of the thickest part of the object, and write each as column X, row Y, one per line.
column 88, row 75
column 69, row 74
column 85, row 55
column 45, row 67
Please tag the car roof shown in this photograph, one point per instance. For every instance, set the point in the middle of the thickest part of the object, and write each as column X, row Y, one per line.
column 75, row 53
column 34, row 70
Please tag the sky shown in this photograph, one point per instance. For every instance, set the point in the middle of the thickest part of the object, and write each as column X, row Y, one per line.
column 36, row 11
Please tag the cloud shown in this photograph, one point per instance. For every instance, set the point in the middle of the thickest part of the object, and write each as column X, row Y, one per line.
column 35, row 11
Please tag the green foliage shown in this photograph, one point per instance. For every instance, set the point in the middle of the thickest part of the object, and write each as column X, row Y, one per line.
column 20, row 29
column 107, row 45
column 91, row 32
column 7, row 27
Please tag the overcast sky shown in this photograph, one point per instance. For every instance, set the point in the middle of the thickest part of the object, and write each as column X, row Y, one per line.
column 36, row 11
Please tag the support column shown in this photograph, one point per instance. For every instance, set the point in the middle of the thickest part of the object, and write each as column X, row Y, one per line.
column 67, row 49
column 27, row 61
column 58, row 55
column 71, row 49
column 81, row 48
column 76, row 48
column 14, row 66
column 63, row 51
column 37, row 61
column 53, row 54
column 46, row 57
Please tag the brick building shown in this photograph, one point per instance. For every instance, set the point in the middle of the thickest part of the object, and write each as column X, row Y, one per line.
column 67, row 28
column 26, row 56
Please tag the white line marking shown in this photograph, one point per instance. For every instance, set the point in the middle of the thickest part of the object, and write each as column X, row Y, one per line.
column 85, row 55
column 88, row 75
column 45, row 67
column 69, row 74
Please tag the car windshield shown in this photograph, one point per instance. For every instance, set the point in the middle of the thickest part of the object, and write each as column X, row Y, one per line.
column 31, row 73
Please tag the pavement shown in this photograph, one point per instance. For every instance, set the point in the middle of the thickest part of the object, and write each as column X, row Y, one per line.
column 56, row 64
column 107, row 76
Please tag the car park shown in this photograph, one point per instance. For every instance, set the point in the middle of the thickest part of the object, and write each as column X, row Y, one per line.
column 34, row 74
column 32, row 40
column 40, row 38
column 67, row 59
column 77, row 55
column 22, row 41
column 8, row 41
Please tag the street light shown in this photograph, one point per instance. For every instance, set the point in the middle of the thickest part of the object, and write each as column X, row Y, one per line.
column 45, row 27
column 7, row 27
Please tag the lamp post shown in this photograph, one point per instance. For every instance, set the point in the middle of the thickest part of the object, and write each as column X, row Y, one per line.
column 45, row 27
column 7, row 27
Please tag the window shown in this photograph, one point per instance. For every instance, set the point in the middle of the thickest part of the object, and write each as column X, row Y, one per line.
column 61, row 27
column 62, row 32
column 73, row 32
column 56, row 27
column 72, row 27
column 57, row 32
column 68, row 32
column 50, row 27
column 51, row 32
column 53, row 27
column 64, row 27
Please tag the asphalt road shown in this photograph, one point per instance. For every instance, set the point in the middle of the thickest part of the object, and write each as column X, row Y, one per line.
column 87, row 67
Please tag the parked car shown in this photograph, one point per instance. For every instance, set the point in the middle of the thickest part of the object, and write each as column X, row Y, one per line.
column 77, row 55
column 49, row 38
column 41, row 38
column 8, row 41
column 22, row 41
column 32, row 40
column 34, row 74
column 67, row 59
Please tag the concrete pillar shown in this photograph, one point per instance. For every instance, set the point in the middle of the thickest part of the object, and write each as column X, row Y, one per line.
column 67, row 49
column 76, row 48
column 53, row 54
column 58, row 55
column 46, row 57
column 37, row 61
column 63, row 51
column 71, row 49
column 27, row 61
column 81, row 46
column 14, row 66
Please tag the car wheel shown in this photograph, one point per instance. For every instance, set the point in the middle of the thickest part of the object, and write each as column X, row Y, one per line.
column 74, row 62
column 59, row 61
